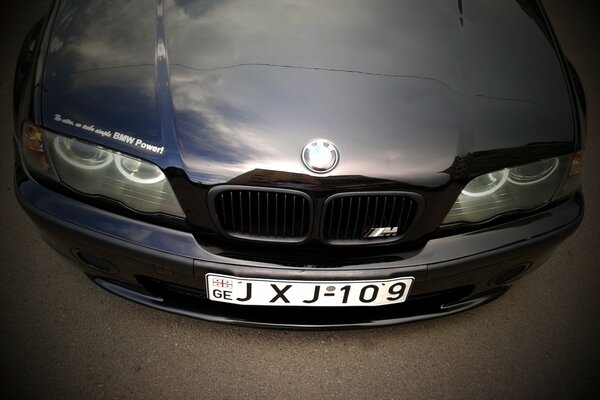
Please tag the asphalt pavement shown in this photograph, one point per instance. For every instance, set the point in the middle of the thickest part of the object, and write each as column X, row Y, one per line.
column 63, row 337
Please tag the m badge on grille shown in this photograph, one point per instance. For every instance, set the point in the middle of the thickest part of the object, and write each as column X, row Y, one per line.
column 385, row 231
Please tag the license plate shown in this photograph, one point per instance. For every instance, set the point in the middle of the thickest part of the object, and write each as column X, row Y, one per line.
column 267, row 292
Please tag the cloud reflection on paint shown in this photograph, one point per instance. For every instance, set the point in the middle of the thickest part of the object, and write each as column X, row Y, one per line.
column 260, row 116
column 247, row 98
column 100, row 69
column 402, row 88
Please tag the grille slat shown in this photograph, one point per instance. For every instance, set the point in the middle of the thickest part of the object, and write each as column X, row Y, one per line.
column 377, row 212
column 366, row 212
column 223, row 209
column 331, row 214
column 263, row 214
column 232, row 212
column 405, row 223
column 401, row 213
column 250, row 212
column 241, row 212
column 354, row 232
column 293, row 213
column 381, row 223
column 285, row 214
column 348, row 219
column 303, row 209
column 258, row 221
column 276, row 213
column 393, row 209
column 268, row 231
column 341, row 214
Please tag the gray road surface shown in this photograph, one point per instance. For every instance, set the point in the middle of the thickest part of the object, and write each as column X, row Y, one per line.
column 63, row 337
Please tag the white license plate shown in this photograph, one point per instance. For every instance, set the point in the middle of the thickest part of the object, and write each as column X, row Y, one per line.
column 267, row 292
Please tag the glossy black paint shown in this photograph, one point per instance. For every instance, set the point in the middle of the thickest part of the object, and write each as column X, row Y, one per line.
column 231, row 87
column 418, row 97
column 451, row 274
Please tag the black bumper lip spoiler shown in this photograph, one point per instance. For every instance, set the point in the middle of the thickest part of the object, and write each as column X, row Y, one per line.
column 143, row 297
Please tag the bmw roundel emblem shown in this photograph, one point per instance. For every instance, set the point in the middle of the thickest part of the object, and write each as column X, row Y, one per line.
column 320, row 155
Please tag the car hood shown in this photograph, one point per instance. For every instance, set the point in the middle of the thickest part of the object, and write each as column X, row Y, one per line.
column 406, row 90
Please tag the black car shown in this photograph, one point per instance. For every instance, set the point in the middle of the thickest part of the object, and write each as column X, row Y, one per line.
column 300, row 163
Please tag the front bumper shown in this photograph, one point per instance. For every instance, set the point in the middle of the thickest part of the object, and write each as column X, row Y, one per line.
column 165, row 268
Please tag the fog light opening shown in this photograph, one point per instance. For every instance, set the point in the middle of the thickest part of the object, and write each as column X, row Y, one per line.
column 96, row 262
column 511, row 274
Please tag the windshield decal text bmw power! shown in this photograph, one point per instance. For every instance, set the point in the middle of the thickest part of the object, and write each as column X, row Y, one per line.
column 132, row 140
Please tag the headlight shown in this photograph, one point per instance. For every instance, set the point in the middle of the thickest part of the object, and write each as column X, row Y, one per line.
column 94, row 170
column 520, row 188
column 80, row 154
column 138, row 171
column 532, row 174
column 486, row 184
